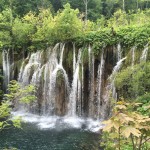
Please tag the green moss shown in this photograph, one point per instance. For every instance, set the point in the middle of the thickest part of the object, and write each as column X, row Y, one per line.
column 85, row 56
column 80, row 72
column 60, row 78
column 1, row 59
column 133, row 81
column 128, row 37
column 69, row 59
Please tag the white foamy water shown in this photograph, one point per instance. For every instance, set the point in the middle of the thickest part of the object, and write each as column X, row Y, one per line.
column 119, row 52
column 74, row 94
column 59, row 123
column 6, row 67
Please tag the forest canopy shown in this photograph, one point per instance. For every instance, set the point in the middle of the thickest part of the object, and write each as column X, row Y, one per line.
column 34, row 25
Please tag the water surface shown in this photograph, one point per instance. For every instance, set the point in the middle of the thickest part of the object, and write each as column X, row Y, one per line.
column 30, row 137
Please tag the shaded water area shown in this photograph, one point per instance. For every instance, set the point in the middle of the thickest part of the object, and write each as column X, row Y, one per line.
column 30, row 137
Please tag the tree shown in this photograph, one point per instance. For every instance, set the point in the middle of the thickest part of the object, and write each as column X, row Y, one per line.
column 22, row 32
column 86, row 10
column 89, row 9
column 44, row 27
column 119, row 19
column 123, row 5
column 68, row 25
column 6, row 28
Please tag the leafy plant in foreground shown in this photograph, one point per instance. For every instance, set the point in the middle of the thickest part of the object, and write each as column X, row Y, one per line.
column 16, row 93
column 126, row 127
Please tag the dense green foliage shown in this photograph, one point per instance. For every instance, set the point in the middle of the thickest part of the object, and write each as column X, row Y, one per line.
column 16, row 94
column 96, row 8
column 38, row 30
column 133, row 82
column 42, row 29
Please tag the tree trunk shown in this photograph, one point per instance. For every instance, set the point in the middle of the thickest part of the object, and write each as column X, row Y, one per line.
column 119, row 139
column 133, row 145
column 146, row 4
column 140, row 143
column 11, row 9
column 123, row 6
column 86, row 11
column 137, row 4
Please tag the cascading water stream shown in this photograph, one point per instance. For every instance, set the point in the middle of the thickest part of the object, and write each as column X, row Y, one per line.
column 91, row 82
column 49, row 68
column 74, row 90
column 144, row 54
column 119, row 52
column 119, row 56
column 99, row 84
column 89, row 53
column 53, row 77
column 6, row 68
column 82, row 88
column 133, row 55
column 113, row 75
column 117, row 67
column 35, row 72
column 74, row 58
column 33, row 65
column 52, row 84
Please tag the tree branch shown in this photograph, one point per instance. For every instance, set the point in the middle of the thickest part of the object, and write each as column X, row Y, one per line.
column 132, row 139
column 140, row 143
column 145, row 141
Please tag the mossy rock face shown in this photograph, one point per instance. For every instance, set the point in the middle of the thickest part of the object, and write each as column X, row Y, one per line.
column 61, row 97
column 1, row 60
column 85, row 55
column 44, row 57
column 42, row 76
column 32, row 70
column 60, row 78
column 69, row 59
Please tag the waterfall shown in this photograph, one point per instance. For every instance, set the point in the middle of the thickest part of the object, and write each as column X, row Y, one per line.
column 82, row 94
column 82, row 88
column 144, row 54
column 91, row 82
column 89, row 53
column 31, row 68
column 22, row 68
column 79, row 98
column 61, row 56
column 99, row 84
column 117, row 67
column 43, row 74
column 52, row 94
column 50, row 66
column 133, row 55
column 74, row 95
column 74, row 57
column 119, row 52
column 113, row 75
column 6, row 68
